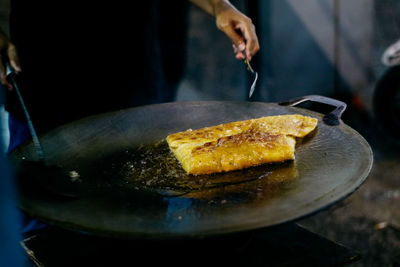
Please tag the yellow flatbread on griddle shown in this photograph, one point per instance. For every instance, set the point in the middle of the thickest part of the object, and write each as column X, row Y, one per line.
column 241, row 144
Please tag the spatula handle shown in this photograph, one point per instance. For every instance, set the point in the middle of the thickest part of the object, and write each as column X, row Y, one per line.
column 38, row 148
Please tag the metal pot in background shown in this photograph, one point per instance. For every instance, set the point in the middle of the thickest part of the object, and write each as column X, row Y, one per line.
column 386, row 101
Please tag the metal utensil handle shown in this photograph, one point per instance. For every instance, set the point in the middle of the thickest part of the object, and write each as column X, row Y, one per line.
column 332, row 118
column 250, row 69
column 247, row 62
column 36, row 142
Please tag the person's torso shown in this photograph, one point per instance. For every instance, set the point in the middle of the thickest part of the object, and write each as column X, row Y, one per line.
column 94, row 56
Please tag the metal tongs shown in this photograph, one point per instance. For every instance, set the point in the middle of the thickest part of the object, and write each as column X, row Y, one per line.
column 250, row 69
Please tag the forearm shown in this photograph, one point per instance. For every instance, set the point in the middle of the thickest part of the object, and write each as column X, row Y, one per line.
column 212, row 7
column 237, row 26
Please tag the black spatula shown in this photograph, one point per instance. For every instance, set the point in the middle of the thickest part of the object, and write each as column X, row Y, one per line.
column 51, row 178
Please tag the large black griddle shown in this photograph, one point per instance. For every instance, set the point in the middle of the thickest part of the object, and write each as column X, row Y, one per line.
column 331, row 163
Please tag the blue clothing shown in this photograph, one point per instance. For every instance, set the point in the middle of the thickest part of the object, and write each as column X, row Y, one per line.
column 19, row 132
column 11, row 254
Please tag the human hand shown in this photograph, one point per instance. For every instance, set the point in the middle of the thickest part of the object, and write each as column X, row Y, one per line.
column 8, row 52
column 239, row 28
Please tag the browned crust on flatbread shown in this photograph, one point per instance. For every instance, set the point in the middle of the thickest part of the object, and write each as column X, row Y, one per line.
column 240, row 144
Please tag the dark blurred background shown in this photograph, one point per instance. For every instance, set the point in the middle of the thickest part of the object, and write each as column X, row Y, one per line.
column 325, row 47
column 309, row 47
